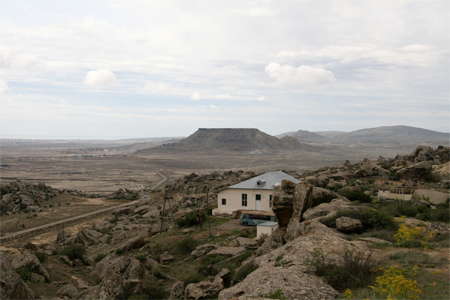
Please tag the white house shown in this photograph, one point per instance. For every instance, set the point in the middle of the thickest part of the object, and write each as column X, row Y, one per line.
column 253, row 194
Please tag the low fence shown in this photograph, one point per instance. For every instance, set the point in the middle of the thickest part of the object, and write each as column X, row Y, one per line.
column 394, row 196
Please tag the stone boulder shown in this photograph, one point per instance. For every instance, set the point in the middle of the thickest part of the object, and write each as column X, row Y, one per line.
column 418, row 171
column 21, row 258
column 68, row 291
column 326, row 210
column 118, row 275
column 203, row 250
column 348, row 225
column 88, row 237
column 228, row 251
column 11, row 285
column 431, row 196
column 207, row 289
column 294, row 277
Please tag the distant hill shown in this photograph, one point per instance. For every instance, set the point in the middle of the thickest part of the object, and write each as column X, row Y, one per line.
column 305, row 136
column 395, row 135
column 231, row 139
column 384, row 135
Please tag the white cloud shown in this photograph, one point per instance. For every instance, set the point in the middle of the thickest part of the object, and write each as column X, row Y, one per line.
column 417, row 55
column 10, row 59
column 301, row 76
column 3, row 87
column 100, row 78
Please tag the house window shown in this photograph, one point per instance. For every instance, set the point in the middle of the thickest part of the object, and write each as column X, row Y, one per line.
column 224, row 201
column 244, row 199
column 258, row 196
column 270, row 201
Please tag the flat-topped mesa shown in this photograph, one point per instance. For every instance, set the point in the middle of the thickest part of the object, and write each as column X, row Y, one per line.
column 232, row 139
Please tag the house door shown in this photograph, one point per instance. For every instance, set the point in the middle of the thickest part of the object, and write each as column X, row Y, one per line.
column 258, row 201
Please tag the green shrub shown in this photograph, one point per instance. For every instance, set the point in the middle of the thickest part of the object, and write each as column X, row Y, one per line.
column 192, row 218
column 355, row 195
column 416, row 258
column 41, row 256
column 277, row 294
column 99, row 257
column 185, row 246
column 25, row 271
column 370, row 219
column 154, row 290
column 73, row 252
column 357, row 270
column 243, row 271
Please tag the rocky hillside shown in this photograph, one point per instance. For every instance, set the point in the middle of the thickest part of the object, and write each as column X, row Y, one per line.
column 231, row 139
column 25, row 197
column 335, row 240
column 384, row 135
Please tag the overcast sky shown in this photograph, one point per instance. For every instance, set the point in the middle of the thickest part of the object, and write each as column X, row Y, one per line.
column 142, row 68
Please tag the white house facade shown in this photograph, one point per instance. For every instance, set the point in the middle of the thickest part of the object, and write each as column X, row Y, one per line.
column 253, row 194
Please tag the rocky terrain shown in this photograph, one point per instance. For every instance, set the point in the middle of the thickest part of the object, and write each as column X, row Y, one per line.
column 24, row 197
column 335, row 240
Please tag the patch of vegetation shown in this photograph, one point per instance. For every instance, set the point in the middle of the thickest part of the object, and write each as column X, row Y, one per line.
column 413, row 236
column 192, row 218
column 154, row 289
column 369, row 217
column 357, row 270
column 99, row 257
column 26, row 271
column 414, row 209
column 417, row 258
column 243, row 271
column 397, row 283
column 73, row 252
column 355, row 195
column 185, row 246
column 277, row 294
column 41, row 256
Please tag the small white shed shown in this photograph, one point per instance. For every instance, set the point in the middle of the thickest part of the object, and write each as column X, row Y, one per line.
column 265, row 228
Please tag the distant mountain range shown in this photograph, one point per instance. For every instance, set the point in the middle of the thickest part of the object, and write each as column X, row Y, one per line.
column 252, row 140
column 384, row 135
column 231, row 139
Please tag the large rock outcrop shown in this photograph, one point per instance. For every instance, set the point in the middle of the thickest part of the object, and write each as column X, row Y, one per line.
column 287, row 268
column 11, row 285
column 25, row 197
column 119, row 276
column 292, row 200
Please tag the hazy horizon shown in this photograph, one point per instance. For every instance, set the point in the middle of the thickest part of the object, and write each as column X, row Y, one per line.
column 131, row 68
column 182, row 136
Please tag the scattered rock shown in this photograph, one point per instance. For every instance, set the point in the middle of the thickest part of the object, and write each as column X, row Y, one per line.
column 68, row 291
column 231, row 251
column 247, row 243
column 203, row 250
column 348, row 225
column 165, row 258
column 206, row 289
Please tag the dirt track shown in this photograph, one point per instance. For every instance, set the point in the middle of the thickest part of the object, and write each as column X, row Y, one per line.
column 72, row 220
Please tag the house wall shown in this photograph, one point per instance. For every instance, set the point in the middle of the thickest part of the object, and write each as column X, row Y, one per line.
column 234, row 196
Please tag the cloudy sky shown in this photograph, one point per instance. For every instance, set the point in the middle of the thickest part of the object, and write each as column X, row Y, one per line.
column 141, row 68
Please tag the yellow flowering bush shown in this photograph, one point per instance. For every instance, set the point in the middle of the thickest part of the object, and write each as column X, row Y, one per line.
column 394, row 284
column 413, row 236
column 348, row 294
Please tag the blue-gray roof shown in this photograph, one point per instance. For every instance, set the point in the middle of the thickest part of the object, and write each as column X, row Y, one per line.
column 266, row 181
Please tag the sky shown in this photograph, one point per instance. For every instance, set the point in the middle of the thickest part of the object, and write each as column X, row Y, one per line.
column 147, row 68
